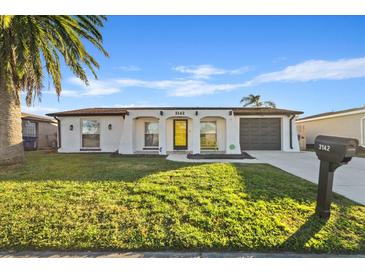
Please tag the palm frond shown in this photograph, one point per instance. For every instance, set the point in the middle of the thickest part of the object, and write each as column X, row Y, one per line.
column 255, row 101
column 270, row 104
column 31, row 46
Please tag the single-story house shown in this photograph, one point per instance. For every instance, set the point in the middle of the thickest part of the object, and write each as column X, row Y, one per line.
column 39, row 132
column 345, row 123
column 164, row 130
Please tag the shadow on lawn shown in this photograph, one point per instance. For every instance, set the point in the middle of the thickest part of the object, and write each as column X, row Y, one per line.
column 310, row 228
column 264, row 182
column 41, row 166
column 271, row 185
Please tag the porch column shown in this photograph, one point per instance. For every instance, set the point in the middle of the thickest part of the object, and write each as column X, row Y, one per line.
column 196, row 134
column 162, row 135
column 233, row 135
column 126, row 142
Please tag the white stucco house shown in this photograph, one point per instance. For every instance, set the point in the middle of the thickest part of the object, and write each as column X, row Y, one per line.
column 163, row 130
column 344, row 123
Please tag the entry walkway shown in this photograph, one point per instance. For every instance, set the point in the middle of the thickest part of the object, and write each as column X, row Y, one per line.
column 180, row 157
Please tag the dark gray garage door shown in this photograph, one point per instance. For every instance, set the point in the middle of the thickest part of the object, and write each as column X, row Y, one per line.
column 260, row 133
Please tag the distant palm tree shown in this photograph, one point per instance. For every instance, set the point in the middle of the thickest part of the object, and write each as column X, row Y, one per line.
column 30, row 47
column 255, row 101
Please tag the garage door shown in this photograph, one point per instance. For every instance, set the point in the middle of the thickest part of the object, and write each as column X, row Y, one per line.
column 260, row 133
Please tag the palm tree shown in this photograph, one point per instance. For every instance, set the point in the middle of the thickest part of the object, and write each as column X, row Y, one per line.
column 255, row 101
column 30, row 49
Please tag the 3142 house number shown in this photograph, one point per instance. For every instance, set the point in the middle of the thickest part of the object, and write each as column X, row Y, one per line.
column 324, row 147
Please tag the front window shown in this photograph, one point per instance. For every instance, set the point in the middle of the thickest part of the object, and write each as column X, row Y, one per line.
column 29, row 129
column 151, row 134
column 208, row 135
column 90, row 133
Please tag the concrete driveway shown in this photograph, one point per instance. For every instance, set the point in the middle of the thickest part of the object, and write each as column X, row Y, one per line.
column 349, row 179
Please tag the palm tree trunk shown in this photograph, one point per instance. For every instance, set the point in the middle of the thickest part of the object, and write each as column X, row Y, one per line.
column 11, row 140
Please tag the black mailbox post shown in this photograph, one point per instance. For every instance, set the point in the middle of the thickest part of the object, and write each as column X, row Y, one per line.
column 332, row 152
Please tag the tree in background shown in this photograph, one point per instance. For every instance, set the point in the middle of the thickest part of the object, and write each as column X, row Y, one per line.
column 255, row 101
column 30, row 49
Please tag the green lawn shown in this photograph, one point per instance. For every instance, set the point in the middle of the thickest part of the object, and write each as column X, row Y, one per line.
column 361, row 153
column 96, row 202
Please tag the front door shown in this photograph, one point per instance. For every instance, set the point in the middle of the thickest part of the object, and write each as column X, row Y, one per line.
column 180, row 134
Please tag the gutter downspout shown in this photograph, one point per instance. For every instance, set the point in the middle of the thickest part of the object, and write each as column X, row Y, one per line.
column 59, row 131
column 291, row 131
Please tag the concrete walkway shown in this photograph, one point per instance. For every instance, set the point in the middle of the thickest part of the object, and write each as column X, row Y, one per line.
column 349, row 179
column 165, row 254
column 180, row 157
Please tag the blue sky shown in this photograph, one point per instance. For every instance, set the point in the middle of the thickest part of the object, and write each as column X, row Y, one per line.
column 313, row 64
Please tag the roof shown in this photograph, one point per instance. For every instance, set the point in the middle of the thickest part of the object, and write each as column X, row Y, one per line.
column 124, row 111
column 265, row 111
column 331, row 113
column 37, row 118
column 90, row 111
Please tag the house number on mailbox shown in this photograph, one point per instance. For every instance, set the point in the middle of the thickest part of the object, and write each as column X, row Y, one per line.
column 324, row 147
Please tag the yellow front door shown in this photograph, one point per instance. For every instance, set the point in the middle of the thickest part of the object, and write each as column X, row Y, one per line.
column 180, row 134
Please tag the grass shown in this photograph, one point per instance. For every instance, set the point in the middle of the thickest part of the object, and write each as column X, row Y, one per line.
column 361, row 152
column 99, row 202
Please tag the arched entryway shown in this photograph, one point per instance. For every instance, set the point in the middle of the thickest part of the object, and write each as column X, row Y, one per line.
column 179, row 134
column 146, row 134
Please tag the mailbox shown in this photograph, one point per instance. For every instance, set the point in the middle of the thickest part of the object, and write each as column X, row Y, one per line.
column 332, row 152
column 335, row 149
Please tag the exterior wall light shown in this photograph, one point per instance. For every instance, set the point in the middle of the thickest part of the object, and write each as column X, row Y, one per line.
column 161, row 113
column 71, row 127
column 230, row 113
column 196, row 113
column 110, row 126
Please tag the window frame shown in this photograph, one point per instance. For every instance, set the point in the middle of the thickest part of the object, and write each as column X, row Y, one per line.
column 156, row 147
column 215, row 134
column 24, row 123
column 81, row 134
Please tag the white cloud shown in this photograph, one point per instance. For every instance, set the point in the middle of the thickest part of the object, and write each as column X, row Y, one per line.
column 180, row 87
column 314, row 70
column 65, row 93
column 130, row 68
column 38, row 110
column 206, row 71
column 95, row 87
column 137, row 105
column 70, row 93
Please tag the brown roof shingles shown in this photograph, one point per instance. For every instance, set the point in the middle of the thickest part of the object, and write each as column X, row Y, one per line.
column 37, row 118
column 90, row 111
column 264, row 111
column 124, row 111
column 324, row 114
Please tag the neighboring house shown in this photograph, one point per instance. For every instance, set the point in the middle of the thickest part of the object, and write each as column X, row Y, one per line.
column 346, row 123
column 38, row 132
column 168, row 129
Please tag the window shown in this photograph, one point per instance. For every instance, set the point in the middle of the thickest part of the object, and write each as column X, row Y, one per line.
column 151, row 134
column 90, row 133
column 208, row 135
column 29, row 129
